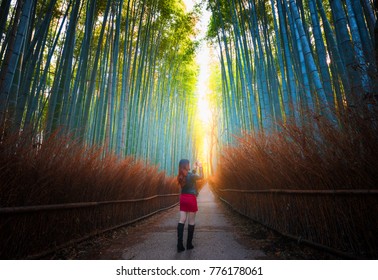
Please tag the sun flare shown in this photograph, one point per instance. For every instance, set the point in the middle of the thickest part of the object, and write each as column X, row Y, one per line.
column 204, row 113
column 188, row 4
column 203, row 117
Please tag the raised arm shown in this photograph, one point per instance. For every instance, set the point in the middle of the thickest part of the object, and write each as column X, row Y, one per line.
column 200, row 175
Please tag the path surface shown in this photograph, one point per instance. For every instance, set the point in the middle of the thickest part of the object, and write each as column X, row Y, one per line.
column 220, row 234
column 215, row 237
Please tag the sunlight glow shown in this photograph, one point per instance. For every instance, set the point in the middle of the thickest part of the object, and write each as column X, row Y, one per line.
column 188, row 4
column 204, row 113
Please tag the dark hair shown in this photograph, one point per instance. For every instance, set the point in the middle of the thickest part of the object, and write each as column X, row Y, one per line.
column 183, row 172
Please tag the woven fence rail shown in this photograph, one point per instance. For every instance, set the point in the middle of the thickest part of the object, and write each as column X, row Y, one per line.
column 35, row 231
column 343, row 222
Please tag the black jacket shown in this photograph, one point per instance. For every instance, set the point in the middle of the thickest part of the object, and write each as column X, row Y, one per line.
column 190, row 186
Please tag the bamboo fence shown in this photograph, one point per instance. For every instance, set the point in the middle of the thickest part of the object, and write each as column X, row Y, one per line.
column 35, row 231
column 343, row 222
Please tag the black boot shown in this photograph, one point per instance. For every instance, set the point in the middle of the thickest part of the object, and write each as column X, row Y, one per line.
column 189, row 244
column 180, row 234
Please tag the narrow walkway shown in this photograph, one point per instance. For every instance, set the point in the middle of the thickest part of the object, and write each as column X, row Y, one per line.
column 215, row 237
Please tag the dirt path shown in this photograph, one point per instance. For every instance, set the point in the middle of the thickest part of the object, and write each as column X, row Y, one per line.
column 219, row 234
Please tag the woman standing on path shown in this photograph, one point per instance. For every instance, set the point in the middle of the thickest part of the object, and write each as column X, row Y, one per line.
column 188, row 202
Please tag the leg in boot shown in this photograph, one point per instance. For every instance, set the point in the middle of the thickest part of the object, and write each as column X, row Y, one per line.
column 180, row 234
column 189, row 244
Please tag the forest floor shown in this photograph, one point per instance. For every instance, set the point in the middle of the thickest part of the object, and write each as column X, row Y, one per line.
column 220, row 233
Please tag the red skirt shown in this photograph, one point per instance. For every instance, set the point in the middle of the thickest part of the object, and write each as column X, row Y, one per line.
column 188, row 203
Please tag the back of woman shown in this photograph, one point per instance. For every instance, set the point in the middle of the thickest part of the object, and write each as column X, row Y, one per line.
column 188, row 202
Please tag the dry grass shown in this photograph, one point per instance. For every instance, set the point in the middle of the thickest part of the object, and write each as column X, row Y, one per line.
column 61, row 171
column 317, row 156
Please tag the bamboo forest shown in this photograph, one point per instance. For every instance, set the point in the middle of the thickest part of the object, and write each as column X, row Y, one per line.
column 101, row 99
